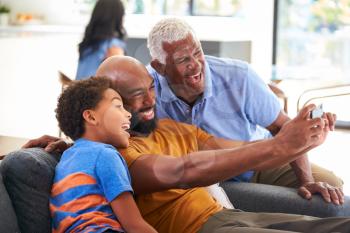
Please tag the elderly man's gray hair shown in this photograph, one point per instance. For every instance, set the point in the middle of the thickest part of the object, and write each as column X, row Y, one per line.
column 167, row 30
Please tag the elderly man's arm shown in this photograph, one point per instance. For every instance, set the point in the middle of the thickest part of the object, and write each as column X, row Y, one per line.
column 302, row 168
column 152, row 173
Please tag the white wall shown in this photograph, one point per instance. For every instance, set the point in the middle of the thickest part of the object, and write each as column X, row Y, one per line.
column 29, row 84
column 260, row 25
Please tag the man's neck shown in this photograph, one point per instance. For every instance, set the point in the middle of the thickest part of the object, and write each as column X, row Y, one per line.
column 138, row 134
column 190, row 100
column 143, row 129
column 185, row 96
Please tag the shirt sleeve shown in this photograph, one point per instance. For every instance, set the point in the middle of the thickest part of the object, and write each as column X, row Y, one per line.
column 262, row 106
column 202, row 136
column 112, row 174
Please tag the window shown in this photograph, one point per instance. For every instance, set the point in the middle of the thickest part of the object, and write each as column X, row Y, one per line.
column 313, row 39
column 217, row 7
column 312, row 42
column 185, row 7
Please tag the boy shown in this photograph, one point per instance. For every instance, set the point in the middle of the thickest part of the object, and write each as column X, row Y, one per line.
column 91, row 190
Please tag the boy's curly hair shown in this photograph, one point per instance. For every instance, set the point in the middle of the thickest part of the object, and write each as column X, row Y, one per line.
column 75, row 99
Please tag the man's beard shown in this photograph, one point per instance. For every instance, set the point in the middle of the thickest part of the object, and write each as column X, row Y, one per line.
column 142, row 127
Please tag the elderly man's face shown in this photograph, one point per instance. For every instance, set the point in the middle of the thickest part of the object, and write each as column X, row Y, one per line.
column 184, row 68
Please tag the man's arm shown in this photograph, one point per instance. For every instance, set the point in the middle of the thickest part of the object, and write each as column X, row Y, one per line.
column 49, row 143
column 215, row 143
column 302, row 168
column 152, row 173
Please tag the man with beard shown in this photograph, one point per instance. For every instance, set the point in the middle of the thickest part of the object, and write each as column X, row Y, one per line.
column 169, row 162
column 226, row 98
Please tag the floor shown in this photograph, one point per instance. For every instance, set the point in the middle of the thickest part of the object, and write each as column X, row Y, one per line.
column 9, row 144
column 334, row 155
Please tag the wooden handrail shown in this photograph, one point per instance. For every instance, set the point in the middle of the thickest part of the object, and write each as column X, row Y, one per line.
column 64, row 79
column 338, row 124
column 280, row 94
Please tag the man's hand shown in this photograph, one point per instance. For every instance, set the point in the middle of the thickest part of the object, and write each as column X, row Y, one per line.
column 49, row 143
column 328, row 192
column 329, row 124
column 331, row 118
column 302, row 133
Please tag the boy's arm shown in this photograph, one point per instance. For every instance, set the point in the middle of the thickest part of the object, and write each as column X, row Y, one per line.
column 124, row 207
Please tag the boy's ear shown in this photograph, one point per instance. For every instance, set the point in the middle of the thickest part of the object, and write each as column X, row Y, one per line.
column 89, row 117
column 159, row 67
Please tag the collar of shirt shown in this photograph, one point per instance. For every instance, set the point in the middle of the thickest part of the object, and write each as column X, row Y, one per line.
column 167, row 95
column 84, row 141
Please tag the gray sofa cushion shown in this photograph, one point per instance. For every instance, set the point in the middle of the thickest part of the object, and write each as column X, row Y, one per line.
column 267, row 198
column 28, row 176
column 8, row 220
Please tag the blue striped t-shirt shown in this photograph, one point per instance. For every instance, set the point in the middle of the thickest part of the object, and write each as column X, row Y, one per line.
column 88, row 177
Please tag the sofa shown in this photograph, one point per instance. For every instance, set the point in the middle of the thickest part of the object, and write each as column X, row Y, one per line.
column 26, row 178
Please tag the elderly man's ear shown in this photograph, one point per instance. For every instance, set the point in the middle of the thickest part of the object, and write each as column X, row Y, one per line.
column 159, row 67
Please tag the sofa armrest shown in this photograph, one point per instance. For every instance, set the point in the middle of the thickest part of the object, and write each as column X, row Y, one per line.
column 268, row 198
column 8, row 217
column 27, row 176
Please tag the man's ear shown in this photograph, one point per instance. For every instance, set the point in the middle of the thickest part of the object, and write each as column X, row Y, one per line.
column 89, row 117
column 159, row 67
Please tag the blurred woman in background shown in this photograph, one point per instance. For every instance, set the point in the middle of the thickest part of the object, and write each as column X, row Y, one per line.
column 104, row 37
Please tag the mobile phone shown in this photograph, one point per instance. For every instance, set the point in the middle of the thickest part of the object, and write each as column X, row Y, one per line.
column 317, row 112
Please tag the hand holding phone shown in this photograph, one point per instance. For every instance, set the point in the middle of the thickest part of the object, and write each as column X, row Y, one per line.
column 317, row 112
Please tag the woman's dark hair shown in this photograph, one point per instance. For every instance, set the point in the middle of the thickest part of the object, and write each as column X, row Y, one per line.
column 75, row 99
column 106, row 22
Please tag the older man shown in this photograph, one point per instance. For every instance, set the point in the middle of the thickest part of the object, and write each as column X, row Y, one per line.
column 169, row 161
column 226, row 98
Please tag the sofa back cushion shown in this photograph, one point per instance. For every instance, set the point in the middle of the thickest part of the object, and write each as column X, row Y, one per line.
column 28, row 176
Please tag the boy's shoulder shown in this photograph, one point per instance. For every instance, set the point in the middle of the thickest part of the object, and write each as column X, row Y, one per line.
column 85, row 143
column 84, row 146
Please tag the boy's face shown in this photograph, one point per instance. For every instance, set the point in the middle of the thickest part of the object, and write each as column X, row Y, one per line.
column 113, row 120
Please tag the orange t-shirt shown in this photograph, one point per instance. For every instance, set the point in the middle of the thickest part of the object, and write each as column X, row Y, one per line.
column 174, row 210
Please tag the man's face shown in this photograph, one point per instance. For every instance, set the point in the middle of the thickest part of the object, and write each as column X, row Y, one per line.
column 137, row 91
column 184, row 68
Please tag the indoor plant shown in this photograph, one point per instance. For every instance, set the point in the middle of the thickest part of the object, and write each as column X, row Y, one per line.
column 4, row 15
